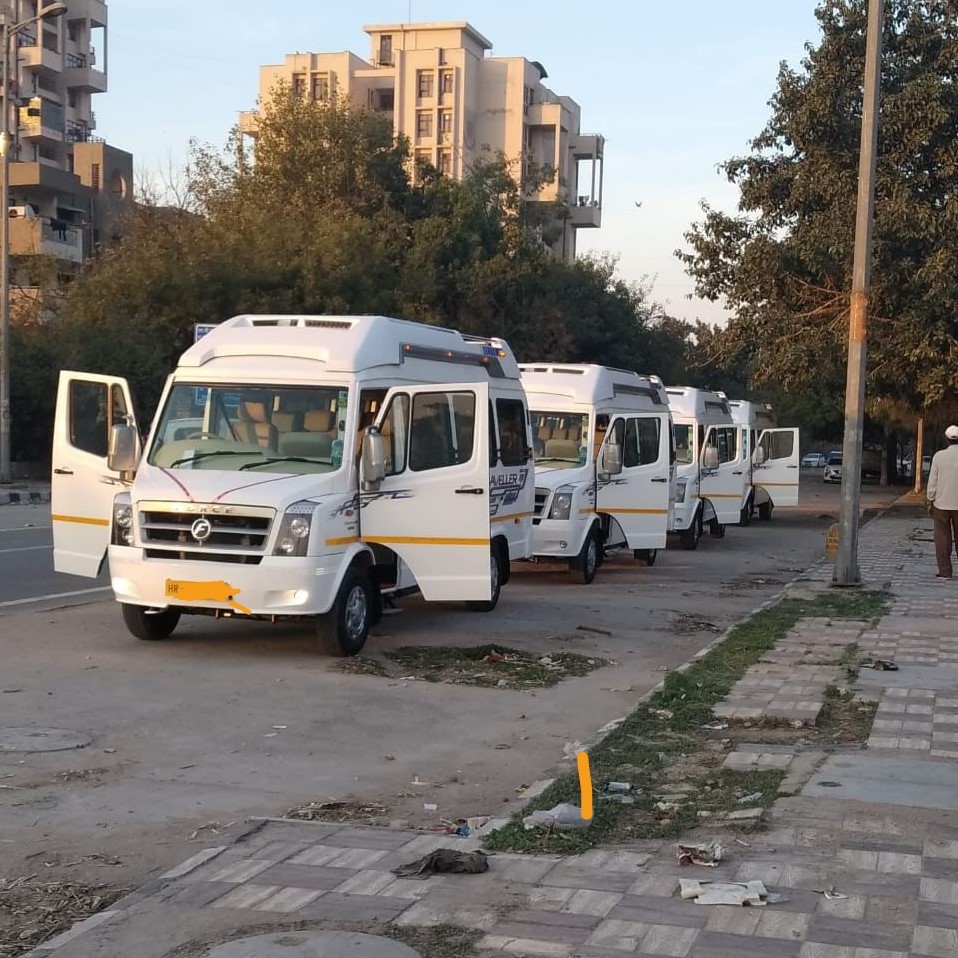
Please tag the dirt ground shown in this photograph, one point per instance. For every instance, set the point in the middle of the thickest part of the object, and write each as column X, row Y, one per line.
column 228, row 720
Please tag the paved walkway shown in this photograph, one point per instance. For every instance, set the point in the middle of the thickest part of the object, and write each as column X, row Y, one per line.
column 878, row 825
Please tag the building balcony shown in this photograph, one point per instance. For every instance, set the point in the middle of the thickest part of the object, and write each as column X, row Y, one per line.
column 35, row 56
column 585, row 213
column 93, row 10
column 84, row 77
column 587, row 147
column 249, row 122
column 30, row 237
column 44, row 179
column 38, row 132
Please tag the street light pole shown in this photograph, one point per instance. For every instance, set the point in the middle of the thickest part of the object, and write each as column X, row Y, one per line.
column 6, row 467
column 846, row 567
column 10, row 31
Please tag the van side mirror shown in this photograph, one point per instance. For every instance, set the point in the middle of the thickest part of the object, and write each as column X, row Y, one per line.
column 612, row 458
column 123, row 451
column 710, row 458
column 759, row 457
column 373, row 465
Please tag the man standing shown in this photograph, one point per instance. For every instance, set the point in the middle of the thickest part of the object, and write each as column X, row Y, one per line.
column 943, row 501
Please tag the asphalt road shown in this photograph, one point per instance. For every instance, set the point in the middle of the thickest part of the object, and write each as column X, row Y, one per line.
column 230, row 719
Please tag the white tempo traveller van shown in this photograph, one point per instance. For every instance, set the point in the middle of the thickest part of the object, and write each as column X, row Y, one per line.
column 300, row 466
column 710, row 476
column 771, row 459
column 603, row 441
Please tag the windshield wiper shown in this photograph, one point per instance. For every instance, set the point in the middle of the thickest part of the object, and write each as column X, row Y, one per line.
column 556, row 459
column 206, row 455
column 267, row 462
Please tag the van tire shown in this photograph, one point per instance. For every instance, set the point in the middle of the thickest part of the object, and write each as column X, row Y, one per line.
column 689, row 538
column 147, row 624
column 343, row 630
column 765, row 511
column 648, row 556
column 746, row 517
column 590, row 558
column 495, row 571
column 716, row 529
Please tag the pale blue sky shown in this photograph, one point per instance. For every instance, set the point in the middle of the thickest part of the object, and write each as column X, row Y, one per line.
column 675, row 87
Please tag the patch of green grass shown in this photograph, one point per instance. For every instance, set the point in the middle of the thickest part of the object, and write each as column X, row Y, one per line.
column 844, row 719
column 489, row 666
column 661, row 741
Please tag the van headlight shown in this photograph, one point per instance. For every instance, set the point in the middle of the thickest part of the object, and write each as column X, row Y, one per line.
column 562, row 502
column 121, row 532
column 680, row 490
column 293, row 538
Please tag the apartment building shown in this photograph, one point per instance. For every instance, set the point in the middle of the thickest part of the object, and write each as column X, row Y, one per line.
column 68, row 187
column 455, row 104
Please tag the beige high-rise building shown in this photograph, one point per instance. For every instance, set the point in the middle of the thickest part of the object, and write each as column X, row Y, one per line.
column 68, row 188
column 455, row 104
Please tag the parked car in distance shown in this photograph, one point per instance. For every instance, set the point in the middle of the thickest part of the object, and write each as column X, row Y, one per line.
column 813, row 460
column 833, row 468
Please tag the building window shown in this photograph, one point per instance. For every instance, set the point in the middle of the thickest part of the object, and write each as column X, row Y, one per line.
column 299, row 84
column 445, row 122
column 424, row 83
column 423, row 123
column 95, row 176
column 386, row 50
column 445, row 162
column 321, row 88
column 446, row 81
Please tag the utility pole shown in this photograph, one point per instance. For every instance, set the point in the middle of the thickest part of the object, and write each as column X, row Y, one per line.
column 919, row 456
column 846, row 565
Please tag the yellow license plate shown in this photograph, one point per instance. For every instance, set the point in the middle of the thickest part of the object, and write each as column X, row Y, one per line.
column 173, row 588
column 182, row 590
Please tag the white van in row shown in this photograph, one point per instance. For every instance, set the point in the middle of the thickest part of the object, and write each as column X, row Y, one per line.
column 300, row 467
column 710, row 474
column 772, row 460
column 603, row 451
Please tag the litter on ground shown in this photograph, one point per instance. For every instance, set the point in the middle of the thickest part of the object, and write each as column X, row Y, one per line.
column 707, row 855
column 751, row 893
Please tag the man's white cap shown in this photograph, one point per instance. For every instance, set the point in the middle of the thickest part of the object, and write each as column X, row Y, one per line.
column 951, row 432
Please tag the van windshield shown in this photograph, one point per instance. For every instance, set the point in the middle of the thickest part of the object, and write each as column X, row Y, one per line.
column 684, row 441
column 560, row 439
column 250, row 428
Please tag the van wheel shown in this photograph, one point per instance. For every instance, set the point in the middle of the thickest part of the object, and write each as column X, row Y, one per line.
column 765, row 511
column 716, row 529
column 590, row 558
column 648, row 556
column 149, row 624
column 495, row 575
column 746, row 517
column 342, row 631
column 689, row 539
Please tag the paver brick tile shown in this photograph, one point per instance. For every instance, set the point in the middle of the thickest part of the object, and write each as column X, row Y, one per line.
column 896, row 862
column 851, row 907
column 937, row 942
column 623, row 935
column 939, row 890
column 733, row 921
column 715, row 944
column 668, row 940
column 587, row 902
column 774, row 924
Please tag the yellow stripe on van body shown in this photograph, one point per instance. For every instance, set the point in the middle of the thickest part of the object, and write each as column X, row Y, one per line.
column 586, row 512
column 342, row 541
column 516, row 515
column 82, row 520
column 636, row 512
column 761, row 484
column 426, row 541
column 722, row 495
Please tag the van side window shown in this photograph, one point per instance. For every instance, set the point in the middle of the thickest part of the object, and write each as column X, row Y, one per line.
column 89, row 416
column 493, row 443
column 513, row 444
column 601, row 427
column 443, row 430
column 779, row 444
column 394, row 427
column 649, row 436
column 725, row 440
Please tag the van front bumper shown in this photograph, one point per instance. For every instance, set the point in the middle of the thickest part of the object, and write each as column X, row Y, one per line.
column 560, row 538
column 279, row 585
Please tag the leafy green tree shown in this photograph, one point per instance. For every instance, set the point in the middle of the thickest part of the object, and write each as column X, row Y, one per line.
column 782, row 263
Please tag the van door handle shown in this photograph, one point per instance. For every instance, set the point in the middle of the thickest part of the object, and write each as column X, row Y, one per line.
column 737, row 472
column 63, row 472
column 659, row 479
column 470, row 491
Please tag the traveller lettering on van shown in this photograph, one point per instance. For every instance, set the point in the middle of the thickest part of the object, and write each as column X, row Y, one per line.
column 505, row 488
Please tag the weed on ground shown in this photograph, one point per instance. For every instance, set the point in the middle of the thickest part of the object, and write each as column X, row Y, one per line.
column 486, row 666
column 661, row 747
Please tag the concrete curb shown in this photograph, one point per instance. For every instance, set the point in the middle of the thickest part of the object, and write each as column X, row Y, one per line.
column 18, row 497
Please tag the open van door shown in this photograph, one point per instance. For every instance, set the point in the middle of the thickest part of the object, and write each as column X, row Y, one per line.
column 723, row 486
column 432, row 506
column 638, row 497
column 82, row 488
column 775, row 466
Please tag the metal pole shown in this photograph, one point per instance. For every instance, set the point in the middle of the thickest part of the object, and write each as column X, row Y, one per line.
column 846, row 565
column 6, row 469
column 919, row 455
